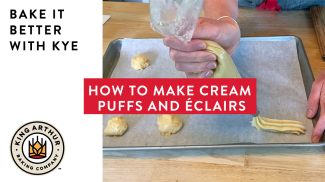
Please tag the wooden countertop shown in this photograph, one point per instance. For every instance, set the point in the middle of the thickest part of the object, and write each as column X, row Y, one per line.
column 131, row 20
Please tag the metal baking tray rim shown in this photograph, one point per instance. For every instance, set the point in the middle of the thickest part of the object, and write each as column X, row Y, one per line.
column 228, row 146
column 113, row 51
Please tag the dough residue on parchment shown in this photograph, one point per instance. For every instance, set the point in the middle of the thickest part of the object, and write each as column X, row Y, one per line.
column 286, row 126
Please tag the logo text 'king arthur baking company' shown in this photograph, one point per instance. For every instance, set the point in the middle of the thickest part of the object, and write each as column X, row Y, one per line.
column 37, row 148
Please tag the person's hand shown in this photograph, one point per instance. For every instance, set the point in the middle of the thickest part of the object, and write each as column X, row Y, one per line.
column 191, row 57
column 317, row 96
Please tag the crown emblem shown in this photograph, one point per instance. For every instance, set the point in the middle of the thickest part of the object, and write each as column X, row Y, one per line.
column 37, row 149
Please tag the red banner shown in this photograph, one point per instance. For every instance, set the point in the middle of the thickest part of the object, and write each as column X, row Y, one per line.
column 169, row 96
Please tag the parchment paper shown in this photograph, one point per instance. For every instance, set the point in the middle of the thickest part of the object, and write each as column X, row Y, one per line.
column 280, row 95
column 105, row 18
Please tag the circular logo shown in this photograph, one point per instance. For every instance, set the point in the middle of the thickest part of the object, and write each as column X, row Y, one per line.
column 37, row 148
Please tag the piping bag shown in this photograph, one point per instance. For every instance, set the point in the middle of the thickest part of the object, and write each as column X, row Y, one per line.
column 178, row 18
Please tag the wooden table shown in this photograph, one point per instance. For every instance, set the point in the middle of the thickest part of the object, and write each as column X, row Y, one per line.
column 131, row 20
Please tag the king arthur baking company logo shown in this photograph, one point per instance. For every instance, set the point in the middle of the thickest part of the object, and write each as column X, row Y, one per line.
column 37, row 148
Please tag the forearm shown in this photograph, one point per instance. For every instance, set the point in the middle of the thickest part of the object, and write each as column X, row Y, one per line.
column 215, row 9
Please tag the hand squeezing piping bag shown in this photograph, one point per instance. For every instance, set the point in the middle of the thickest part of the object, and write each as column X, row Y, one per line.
column 179, row 18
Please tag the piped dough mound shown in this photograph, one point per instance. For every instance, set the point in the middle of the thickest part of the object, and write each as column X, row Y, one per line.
column 169, row 124
column 139, row 62
column 116, row 126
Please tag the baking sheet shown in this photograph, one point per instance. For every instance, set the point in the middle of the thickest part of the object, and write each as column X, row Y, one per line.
column 280, row 95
